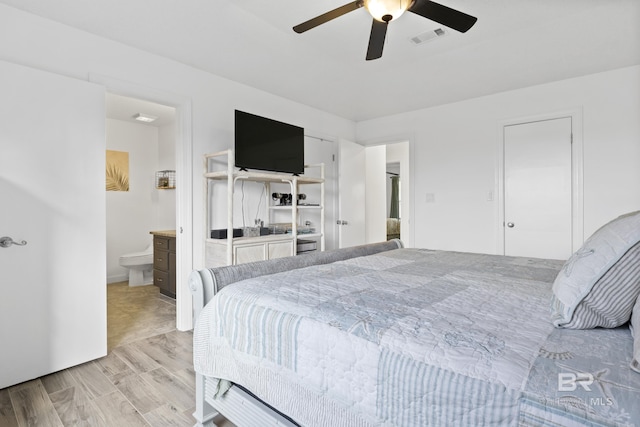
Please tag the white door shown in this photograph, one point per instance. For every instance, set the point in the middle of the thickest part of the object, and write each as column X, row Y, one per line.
column 351, row 189
column 537, row 189
column 322, row 151
column 52, row 183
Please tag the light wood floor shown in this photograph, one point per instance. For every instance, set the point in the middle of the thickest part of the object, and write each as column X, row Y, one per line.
column 146, row 379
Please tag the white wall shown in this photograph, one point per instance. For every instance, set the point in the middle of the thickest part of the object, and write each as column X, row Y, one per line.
column 165, row 200
column 455, row 155
column 376, row 211
column 46, row 45
column 130, row 213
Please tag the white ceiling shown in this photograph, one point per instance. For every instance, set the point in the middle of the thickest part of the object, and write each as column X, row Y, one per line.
column 124, row 108
column 515, row 43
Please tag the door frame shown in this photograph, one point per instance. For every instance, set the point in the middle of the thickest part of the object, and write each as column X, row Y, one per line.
column 577, row 173
column 184, row 176
column 408, row 238
column 407, row 203
column 330, row 218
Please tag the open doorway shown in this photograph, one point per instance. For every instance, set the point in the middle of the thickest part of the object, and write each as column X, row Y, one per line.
column 394, row 200
column 398, row 206
column 368, row 225
column 184, row 182
column 138, row 203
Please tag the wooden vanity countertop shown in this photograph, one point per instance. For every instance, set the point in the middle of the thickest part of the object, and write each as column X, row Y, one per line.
column 165, row 233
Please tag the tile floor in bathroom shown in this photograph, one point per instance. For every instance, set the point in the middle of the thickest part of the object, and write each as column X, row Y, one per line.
column 146, row 379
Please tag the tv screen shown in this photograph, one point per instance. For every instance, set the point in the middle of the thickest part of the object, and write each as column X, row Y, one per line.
column 266, row 144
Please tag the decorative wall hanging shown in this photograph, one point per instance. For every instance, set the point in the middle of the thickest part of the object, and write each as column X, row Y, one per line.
column 117, row 170
column 166, row 180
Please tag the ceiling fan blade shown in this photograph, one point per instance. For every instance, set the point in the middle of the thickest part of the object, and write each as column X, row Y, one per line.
column 326, row 17
column 376, row 39
column 444, row 15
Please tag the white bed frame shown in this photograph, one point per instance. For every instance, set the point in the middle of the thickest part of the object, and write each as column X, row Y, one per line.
column 236, row 405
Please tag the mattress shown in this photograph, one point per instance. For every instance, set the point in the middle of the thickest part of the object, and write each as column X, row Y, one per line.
column 414, row 337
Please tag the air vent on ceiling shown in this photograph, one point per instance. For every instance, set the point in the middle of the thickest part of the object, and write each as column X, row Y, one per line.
column 429, row 35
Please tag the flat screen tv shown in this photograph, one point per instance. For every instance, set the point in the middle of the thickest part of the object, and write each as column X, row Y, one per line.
column 266, row 144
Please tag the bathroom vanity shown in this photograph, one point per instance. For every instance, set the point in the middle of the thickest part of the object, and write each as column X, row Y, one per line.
column 164, row 261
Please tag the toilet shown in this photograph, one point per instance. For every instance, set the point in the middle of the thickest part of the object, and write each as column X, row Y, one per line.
column 140, row 265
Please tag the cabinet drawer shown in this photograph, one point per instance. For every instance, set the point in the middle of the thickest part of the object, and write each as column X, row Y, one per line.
column 249, row 253
column 164, row 264
column 161, row 260
column 280, row 249
column 161, row 279
column 160, row 243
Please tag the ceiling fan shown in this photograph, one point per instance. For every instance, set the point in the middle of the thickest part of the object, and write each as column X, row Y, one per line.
column 384, row 11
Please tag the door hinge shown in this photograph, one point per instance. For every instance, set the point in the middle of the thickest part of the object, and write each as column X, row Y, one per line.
column 333, row 157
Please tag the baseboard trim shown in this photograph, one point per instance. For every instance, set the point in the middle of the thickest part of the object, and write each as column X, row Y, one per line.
column 117, row 278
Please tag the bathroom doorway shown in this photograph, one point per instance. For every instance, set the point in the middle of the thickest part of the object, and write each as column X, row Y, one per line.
column 141, row 134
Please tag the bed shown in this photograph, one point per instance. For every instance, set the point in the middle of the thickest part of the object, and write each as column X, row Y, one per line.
column 382, row 335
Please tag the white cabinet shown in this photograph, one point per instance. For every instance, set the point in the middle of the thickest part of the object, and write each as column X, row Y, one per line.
column 240, row 250
column 279, row 249
column 248, row 249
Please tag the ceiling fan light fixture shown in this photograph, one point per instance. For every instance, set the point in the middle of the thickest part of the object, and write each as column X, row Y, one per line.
column 383, row 11
column 387, row 10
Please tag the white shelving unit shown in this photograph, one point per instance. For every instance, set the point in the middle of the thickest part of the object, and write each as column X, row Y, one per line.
column 239, row 250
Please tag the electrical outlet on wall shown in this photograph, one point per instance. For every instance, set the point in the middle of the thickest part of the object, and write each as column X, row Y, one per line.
column 431, row 198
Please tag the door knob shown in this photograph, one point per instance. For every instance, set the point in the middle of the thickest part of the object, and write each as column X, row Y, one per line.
column 6, row 241
column 510, row 224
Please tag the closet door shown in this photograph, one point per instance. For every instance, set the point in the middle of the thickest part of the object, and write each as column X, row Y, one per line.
column 537, row 193
column 352, row 189
column 52, row 184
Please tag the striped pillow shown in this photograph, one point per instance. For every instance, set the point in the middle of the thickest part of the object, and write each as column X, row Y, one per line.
column 610, row 301
column 599, row 284
column 635, row 331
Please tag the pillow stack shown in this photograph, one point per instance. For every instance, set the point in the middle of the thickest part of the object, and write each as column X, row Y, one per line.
column 599, row 285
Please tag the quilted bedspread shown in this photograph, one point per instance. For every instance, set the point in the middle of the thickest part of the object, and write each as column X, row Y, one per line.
column 414, row 337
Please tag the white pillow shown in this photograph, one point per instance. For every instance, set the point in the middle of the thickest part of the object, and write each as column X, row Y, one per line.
column 606, row 267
